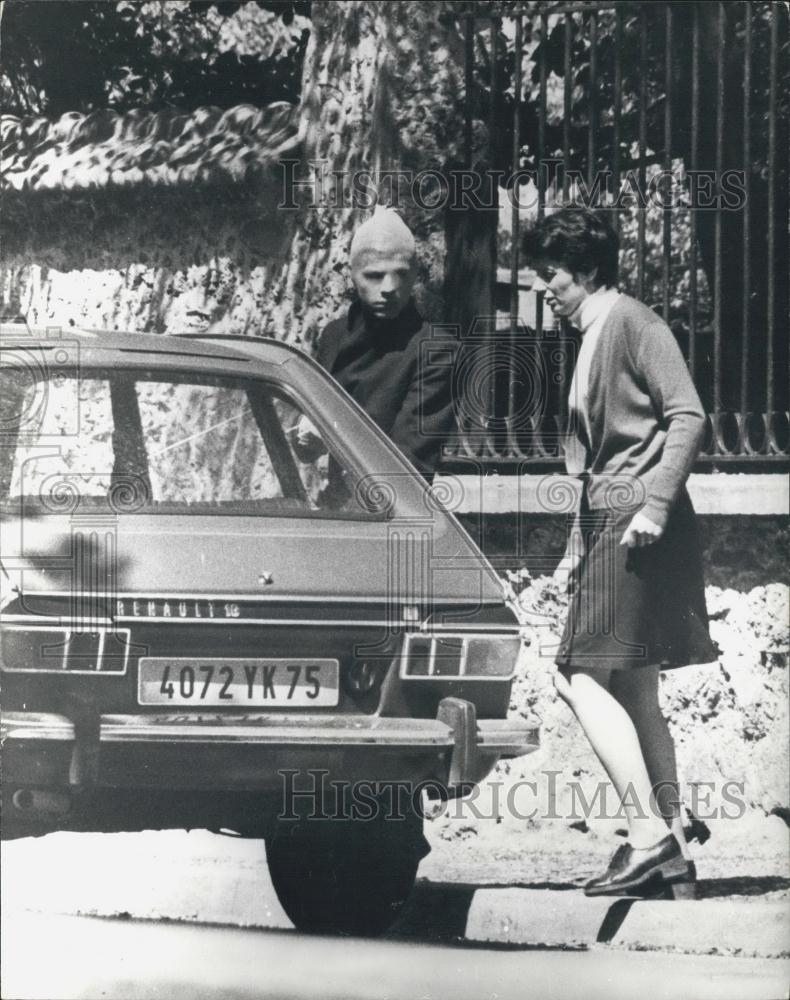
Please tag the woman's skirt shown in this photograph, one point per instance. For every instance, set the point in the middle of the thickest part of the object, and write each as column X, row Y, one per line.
column 637, row 607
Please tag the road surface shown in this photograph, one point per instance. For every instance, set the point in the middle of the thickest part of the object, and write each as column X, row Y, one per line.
column 174, row 915
column 61, row 957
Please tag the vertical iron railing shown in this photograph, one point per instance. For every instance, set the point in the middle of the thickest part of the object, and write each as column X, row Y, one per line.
column 771, row 442
column 718, row 443
column 694, row 163
column 518, row 43
column 747, row 262
column 667, row 178
column 658, row 95
column 642, row 111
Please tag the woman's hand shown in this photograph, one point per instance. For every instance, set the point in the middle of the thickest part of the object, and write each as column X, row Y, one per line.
column 640, row 532
column 562, row 573
column 571, row 558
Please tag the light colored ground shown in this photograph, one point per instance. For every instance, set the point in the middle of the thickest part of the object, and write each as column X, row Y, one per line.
column 103, row 959
column 747, row 858
column 210, row 878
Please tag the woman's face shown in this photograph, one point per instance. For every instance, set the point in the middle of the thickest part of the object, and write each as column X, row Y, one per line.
column 564, row 292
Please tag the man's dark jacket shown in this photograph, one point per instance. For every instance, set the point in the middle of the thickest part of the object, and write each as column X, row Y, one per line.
column 399, row 374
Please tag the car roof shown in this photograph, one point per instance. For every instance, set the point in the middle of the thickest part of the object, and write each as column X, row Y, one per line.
column 149, row 348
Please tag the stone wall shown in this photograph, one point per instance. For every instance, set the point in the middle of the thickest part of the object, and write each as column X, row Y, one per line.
column 165, row 261
column 151, row 260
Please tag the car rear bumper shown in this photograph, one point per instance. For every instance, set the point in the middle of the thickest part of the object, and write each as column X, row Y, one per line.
column 251, row 754
column 504, row 737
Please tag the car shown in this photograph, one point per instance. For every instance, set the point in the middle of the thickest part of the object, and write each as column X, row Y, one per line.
column 204, row 626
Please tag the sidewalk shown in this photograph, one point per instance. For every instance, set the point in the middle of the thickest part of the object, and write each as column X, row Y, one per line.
column 555, row 918
column 518, row 885
column 468, row 890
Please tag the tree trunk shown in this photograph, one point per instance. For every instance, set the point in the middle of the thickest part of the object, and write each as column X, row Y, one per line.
column 381, row 91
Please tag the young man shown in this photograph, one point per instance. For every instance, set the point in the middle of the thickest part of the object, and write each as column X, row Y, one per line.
column 375, row 351
column 636, row 595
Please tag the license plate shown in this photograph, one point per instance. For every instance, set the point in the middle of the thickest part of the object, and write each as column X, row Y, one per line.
column 280, row 683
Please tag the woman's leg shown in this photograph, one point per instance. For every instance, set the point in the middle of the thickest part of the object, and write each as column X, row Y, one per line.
column 637, row 692
column 614, row 738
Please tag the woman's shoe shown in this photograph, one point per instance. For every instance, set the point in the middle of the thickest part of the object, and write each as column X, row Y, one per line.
column 614, row 861
column 634, row 870
column 686, row 889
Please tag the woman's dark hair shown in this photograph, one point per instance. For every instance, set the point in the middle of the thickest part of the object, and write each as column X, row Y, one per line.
column 578, row 238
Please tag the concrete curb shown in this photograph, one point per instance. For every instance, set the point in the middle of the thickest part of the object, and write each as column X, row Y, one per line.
column 568, row 919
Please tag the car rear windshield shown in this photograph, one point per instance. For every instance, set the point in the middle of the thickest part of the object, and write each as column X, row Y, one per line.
column 148, row 441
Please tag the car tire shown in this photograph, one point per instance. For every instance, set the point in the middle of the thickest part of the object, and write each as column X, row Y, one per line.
column 345, row 877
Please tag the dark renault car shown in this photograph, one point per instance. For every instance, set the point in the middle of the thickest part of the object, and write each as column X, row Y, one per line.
column 202, row 626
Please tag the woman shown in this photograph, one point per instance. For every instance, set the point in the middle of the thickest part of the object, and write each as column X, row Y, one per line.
column 636, row 591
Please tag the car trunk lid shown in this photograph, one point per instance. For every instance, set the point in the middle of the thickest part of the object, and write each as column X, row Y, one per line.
column 276, row 559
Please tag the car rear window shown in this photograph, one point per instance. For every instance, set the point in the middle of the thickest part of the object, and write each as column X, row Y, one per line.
column 147, row 441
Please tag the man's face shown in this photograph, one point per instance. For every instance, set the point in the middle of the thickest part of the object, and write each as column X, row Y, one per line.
column 384, row 283
column 564, row 292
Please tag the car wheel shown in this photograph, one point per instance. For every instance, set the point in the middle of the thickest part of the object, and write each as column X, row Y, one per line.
column 345, row 877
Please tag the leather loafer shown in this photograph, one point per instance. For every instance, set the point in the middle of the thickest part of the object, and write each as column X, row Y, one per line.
column 633, row 870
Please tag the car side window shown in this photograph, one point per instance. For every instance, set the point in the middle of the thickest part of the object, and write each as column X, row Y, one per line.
column 203, row 445
column 70, row 452
column 167, row 440
column 307, row 447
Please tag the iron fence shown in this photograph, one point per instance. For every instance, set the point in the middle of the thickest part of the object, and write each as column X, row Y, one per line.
column 675, row 116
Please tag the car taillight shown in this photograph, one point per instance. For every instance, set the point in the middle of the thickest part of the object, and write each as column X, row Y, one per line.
column 41, row 649
column 475, row 657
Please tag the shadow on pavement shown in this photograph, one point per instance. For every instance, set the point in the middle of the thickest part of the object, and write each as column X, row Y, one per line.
column 435, row 911
column 747, row 885
column 440, row 911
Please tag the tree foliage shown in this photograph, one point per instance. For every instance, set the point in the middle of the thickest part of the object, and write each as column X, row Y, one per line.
column 82, row 55
column 623, row 51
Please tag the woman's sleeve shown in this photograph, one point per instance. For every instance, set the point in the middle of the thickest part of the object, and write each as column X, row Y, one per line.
column 663, row 367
